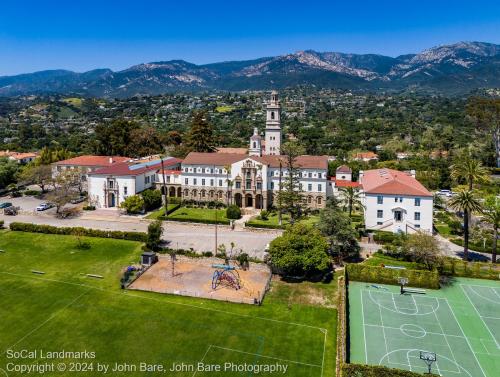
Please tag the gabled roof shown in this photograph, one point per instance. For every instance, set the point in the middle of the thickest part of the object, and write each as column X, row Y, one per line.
column 366, row 155
column 232, row 150
column 344, row 169
column 218, row 159
column 392, row 182
column 88, row 160
column 134, row 169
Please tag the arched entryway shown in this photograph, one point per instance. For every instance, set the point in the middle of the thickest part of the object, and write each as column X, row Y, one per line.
column 171, row 191
column 238, row 200
column 111, row 200
column 179, row 192
column 248, row 200
column 259, row 201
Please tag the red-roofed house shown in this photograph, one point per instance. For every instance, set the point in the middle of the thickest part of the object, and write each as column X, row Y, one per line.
column 365, row 156
column 109, row 186
column 395, row 201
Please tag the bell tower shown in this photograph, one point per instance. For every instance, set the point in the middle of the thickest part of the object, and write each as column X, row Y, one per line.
column 273, row 126
column 255, row 144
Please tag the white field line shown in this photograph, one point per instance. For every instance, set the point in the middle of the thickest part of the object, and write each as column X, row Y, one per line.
column 128, row 294
column 383, row 332
column 427, row 332
column 364, row 329
column 479, row 314
column 323, row 358
column 466, row 339
column 45, row 322
column 396, row 310
column 445, row 338
column 267, row 357
column 203, row 358
column 481, row 296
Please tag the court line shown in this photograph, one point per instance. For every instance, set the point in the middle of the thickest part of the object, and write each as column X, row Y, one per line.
column 383, row 332
column 267, row 357
column 466, row 339
column 396, row 311
column 483, row 297
column 479, row 314
column 203, row 358
column 446, row 338
column 427, row 332
column 364, row 329
column 324, row 351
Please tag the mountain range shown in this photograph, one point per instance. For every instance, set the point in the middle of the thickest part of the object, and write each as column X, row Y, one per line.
column 448, row 69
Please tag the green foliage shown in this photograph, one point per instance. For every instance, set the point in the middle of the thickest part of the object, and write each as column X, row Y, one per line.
column 152, row 199
column 2, row 224
column 233, row 212
column 358, row 370
column 200, row 137
column 155, row 231
column 133, row 204
column 384, row 237
column 373, row 274
column 77, row 231
column 422, row 248
column 40, row 175
column 8, row 170
column 300, row 251
column 114, row 138
column 50, row 155
column 264, row 215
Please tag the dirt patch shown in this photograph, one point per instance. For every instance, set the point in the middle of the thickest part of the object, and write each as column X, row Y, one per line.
column 193, row 277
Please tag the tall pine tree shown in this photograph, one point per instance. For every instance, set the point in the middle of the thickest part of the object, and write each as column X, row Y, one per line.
column 200, row 137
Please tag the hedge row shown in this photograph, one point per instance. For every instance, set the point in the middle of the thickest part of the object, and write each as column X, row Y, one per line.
column 195, row 220
column 266, row 226
column 458, row 267
column 358, row 370
column 48, row 229
column 381, row 275
column 173, row 209
column 341, row 323
column 384, row 237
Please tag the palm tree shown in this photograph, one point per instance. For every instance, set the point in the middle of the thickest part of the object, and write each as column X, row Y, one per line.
column 491, row 213
column 469, row 170
column 351, row 198
column 465, row 201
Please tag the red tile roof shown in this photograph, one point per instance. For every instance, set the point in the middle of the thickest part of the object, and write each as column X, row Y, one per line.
column 171, row 172
column 366, row 156
column 134, row 169
column 392, row 182
column 233, row 150
column 344, row 183
column 344, row 169
column 98, row 161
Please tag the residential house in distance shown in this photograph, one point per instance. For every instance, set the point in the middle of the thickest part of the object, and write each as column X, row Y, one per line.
column 86, row 164
column 19, row 157
column 365, row 156
column 109, row 186
column 396, row 202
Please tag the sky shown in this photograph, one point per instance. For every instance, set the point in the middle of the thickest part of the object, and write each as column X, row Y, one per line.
column 83, row 35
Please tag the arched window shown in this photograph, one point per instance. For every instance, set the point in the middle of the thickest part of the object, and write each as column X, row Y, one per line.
column 272, row 114
column 254, row 144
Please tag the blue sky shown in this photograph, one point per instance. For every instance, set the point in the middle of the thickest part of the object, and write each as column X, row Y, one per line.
column 83, row 35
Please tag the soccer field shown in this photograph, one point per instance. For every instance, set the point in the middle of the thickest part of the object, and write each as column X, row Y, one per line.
column 460, row 323
column 63, row 310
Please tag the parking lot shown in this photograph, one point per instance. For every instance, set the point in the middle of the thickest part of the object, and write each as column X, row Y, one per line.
column 27, row 204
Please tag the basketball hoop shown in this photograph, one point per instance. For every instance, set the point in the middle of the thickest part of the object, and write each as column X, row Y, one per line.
column 428, row 358
column 402, row 282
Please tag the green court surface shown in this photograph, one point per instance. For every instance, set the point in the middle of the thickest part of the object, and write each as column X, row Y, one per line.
column 460, row 323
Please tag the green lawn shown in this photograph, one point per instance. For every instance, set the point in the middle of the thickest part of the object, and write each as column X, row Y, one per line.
column 199, row 214
column 378, row 259
column 273, row 221
column 155, row 215
column 224, row 109
column 65, row 310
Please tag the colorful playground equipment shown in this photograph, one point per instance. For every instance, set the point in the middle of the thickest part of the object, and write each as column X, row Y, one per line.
column 225, row 275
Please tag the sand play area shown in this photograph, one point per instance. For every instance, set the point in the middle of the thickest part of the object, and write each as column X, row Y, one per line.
column 193, row 277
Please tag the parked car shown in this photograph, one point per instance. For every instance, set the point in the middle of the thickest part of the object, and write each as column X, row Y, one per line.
column 447, row 193
column 78, row 200
column 44, row 206
column 11, row 211
column 5, row 205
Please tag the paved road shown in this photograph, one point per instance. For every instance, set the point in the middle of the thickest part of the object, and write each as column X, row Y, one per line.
column 179, row 235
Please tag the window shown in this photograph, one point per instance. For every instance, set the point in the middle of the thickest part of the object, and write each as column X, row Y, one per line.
column 220, row 182
column 417, row 226
column 203, row 182
column 111, row 184
column 254, row 145
column 272, row 185
column 380, row 199
column 309, row 187
column 272, row 114
column 259, row 185
column 211, row 182
column 238, row 185
column 248, row 184
column 379, row 222
column 417, row 216
column 125, row 190
column 396, row 199
column 320, row 188
column 417, row 202
column 186, row 181
column 380, row 213
column 310, row 175
column 168, row 179
column 401, row 199
column 195, row 181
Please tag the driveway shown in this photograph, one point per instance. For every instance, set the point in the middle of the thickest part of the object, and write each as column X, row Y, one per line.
column 449, row 249
column 199, row 237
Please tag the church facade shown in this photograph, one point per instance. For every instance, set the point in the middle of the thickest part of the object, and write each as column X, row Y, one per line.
column 250, row 180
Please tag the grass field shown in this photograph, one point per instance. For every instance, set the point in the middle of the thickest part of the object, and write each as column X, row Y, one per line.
column 155, row 215
column 65, row 310
column 460, row 323
column 195, row 214
column 274, row 221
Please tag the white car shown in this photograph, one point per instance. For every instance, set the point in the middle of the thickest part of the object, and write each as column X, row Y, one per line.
column 446, row 193
column 44, row 206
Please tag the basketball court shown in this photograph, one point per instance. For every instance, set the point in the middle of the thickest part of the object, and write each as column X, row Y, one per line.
column 459, row 325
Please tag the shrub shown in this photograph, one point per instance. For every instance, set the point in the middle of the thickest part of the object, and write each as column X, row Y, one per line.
column 384, row 237
column 133, row 204
column 77, row 231
column 233, row 212
column 358, row 370
column 373, row 274
column 152, row 199
column 264, row 215
column 263, row 225
column 89, row 208
column 155, row 231
column 2, row 224
column 31, row 193
column 195, row 220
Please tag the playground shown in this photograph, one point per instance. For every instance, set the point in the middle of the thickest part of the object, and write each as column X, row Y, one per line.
column 206, row 278
column 458, row 326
